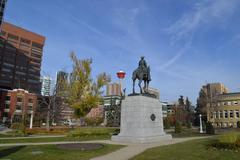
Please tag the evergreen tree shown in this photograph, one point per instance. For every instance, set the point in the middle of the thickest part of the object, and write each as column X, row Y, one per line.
column 188, row 105
column 201, row 107
column 181, row 101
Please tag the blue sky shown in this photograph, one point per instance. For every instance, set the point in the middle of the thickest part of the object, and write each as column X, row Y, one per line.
column 187, row 43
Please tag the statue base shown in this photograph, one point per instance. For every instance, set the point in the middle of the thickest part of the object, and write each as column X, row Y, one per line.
column 141, row 121
column 143, row 94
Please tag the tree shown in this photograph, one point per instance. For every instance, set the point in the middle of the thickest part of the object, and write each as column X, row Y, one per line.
column 188, row 105
column 189, row 112
column 202, row 105
column 51, row 106
column 181, row 101
column 84, row 93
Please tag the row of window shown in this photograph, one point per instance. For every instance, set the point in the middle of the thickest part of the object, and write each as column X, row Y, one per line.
column 18, row 107
column 23, row 40
column 226, row 114
column 19, row 99
column 227, row 103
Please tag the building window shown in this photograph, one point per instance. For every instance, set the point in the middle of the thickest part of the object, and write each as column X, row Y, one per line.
column 7, row 98
column 225, row 114
column 25, row 41
column 7, row 106
column 237, row 113
column 30, row 101
column 221, row 114
column 19, row 99
column 11, row 36
column 3, row 33
column 214, row 115
column 18, row 107
column 17, row 118
column 231, row 113
column 30, row 108
column 37, row 45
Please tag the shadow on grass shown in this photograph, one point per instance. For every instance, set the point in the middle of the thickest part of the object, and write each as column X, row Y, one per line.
column 8, row 151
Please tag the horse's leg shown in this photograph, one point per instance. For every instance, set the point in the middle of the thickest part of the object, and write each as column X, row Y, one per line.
column 145, row 86
column 134, row 86
column 139, row 84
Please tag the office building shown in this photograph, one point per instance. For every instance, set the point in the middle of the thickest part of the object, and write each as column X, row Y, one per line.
column 2, row 9
column 46, row 85
column 20, row 58
column 113, row 89
column 61, row 77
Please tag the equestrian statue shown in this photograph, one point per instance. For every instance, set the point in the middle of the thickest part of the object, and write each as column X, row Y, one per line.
column 142, row 73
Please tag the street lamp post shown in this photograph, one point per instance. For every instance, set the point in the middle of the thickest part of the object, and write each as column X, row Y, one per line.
column 200, row 118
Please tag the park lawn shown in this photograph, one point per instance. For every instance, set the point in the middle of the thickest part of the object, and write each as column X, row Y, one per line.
column 50, row 152
column 53, row 139
column 78, row 134
column 191, row 150
column 187, row 133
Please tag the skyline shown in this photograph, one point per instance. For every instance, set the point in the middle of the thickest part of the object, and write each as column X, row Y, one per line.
column 186, row 43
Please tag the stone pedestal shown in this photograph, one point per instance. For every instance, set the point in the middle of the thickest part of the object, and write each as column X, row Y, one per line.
column 141, row 121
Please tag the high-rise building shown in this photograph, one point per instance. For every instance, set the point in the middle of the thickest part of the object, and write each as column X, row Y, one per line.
column 61, row 76
column 20, row 58
column 2, row 8
column 113, row 89
column 46, row 85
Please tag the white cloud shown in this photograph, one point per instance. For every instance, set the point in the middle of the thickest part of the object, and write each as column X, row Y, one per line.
column 204, row 13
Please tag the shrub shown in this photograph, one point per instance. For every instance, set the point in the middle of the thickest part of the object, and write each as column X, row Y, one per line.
column 238, row 124
column 229, row 141
column 166, row 123
column 209, row 128
column 178, row 127
column 189, row 124
column 93, row 121
column 44, row 131
column 91, row 132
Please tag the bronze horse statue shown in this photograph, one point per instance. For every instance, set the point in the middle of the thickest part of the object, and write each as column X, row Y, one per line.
column 141, row 75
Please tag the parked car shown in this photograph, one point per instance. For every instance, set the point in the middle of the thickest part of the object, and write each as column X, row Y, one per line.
column 69, row 123
column 2, row 127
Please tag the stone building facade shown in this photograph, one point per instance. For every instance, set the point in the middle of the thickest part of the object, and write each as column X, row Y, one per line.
column 225, row 110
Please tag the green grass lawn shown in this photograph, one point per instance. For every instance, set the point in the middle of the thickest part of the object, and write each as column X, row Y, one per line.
column 191, row 150
column 187, row 133
column 53, row 139
column 79, row 134
column 51, row 152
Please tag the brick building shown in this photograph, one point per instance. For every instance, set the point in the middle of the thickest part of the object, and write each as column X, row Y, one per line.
column 20, row 58
column 15, row 104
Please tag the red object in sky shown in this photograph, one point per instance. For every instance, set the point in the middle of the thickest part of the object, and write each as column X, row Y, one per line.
column 121, row 74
